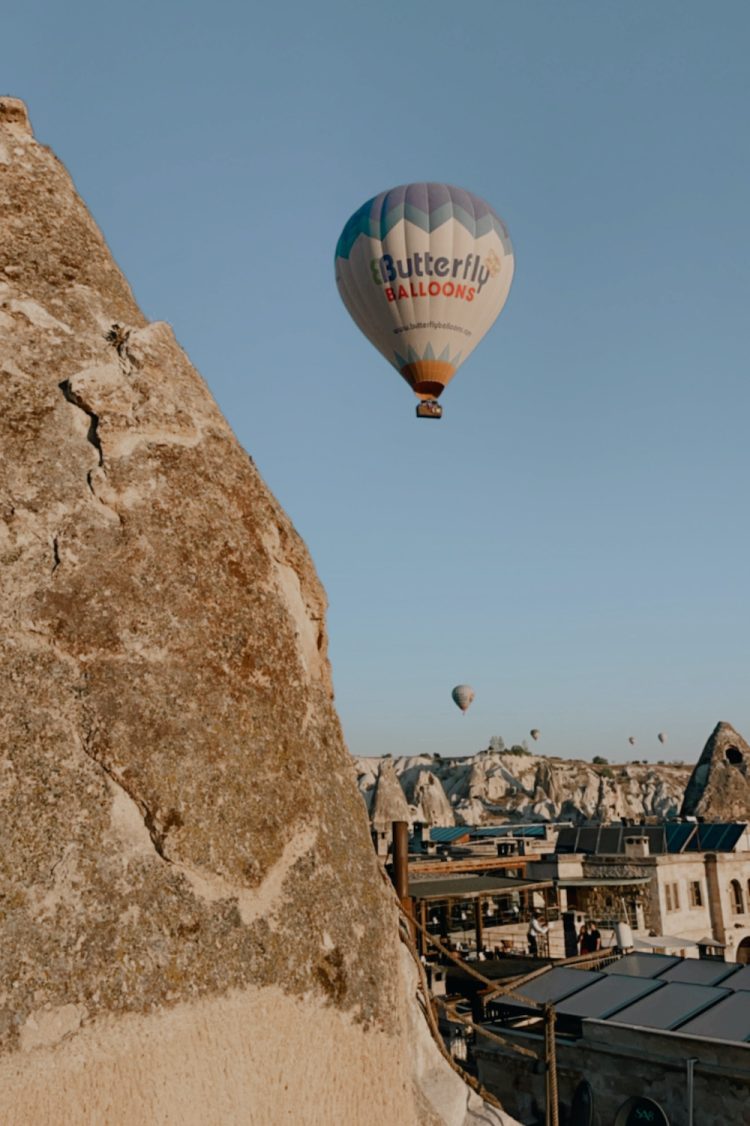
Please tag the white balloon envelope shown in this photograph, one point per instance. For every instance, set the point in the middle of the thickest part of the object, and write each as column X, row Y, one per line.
column 424, row 269
column 462, row 696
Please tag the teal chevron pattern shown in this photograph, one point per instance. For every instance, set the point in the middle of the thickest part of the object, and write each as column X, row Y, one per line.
column 428, row 353
column 427, row 206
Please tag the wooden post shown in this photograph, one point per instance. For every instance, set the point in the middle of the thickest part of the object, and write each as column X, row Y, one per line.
column 478, row 930
column 401, row 868
column 552, row 1112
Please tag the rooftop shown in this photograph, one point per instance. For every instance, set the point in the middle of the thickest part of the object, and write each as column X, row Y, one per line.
column 670, row 837
column 689, row 996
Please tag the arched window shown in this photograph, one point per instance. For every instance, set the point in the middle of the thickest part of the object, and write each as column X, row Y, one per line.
column 735, row 888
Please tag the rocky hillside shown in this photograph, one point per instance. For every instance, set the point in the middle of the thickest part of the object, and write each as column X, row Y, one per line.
column 497, row 786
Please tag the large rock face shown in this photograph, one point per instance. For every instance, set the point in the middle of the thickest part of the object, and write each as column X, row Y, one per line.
column 497, row 786
column 719, row 787
column 193, row 928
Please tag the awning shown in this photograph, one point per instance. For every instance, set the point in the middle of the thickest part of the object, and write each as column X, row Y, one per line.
column 662, row 942
column 471, row 887
column 609, row 882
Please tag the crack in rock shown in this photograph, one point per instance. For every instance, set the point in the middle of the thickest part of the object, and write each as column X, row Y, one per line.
column 156, row 831
column 93, row 431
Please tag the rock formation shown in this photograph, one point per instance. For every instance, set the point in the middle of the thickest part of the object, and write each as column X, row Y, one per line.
column 431, row 801
column 719, row 787
column 496, row 786
column 388, row 801
column 187, row 935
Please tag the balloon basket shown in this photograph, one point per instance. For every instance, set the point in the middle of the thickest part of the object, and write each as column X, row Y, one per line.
column 429, row 408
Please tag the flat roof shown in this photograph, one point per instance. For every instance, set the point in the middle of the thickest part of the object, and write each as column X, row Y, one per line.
column 553, row 986
column 727, row 1020
column 469, row 887
column 604, row 997
column 641, row 965
column 642, row 991
column 666, row 1008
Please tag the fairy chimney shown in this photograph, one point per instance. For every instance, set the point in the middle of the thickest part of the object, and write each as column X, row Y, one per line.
column 193, row 926
column 719, row 787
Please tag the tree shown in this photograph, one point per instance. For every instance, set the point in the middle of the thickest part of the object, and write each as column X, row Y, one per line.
column 497, row 743
column 599, row 761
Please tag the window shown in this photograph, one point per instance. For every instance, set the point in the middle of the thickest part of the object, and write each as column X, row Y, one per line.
column 676, row 896
column 696, row 894
column 672, row 896
column 668, row 896
column 735, row 891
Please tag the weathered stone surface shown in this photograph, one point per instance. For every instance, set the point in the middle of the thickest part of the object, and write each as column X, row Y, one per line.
column 719, row 787
column 185, row 861
column 496, row 786
column 431, row 801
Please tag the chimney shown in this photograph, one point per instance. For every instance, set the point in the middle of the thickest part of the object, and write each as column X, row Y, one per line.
column 637, row 846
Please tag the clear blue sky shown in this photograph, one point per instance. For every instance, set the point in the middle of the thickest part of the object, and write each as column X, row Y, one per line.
column 573, row 538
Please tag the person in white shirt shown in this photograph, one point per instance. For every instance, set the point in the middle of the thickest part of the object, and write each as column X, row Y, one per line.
column 536, row 929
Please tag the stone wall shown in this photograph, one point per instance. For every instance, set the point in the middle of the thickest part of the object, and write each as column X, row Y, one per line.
column 620, row 1063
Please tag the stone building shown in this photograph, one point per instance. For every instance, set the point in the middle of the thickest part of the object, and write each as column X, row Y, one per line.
column 678, row 880
column 644, row 1038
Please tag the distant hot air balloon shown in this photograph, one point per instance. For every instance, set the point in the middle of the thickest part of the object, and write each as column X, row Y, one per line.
column 662, row 737
column 462, row 695
column 631, row 740
column 534, row 734
column 424, row 270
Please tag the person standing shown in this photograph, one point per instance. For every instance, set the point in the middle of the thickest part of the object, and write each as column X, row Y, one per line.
column 536, row 930
column 591, row 939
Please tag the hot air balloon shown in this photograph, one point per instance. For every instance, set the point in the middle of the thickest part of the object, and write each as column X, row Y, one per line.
column 462, row 696
column 424, row 270
column 534, row 734
column 631, row 740
column 662, row 737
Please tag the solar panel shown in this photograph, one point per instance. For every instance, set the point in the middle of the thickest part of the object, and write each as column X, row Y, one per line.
column 740, row 979
column 587, row 840
column 728, row 1020
column 604, row 997
column 677, row 835
column 566, row 840
column 610, row 841
column 698, row 971
column 707, row 838
column 669, row 1006
column 715, row 838
column 559, row 982
column 729, row 837
column 447, row 833
column 641, row 965
column 657, row 837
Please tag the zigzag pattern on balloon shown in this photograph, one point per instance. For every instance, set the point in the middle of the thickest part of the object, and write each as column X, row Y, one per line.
column 427, row 206
column 412, row 356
